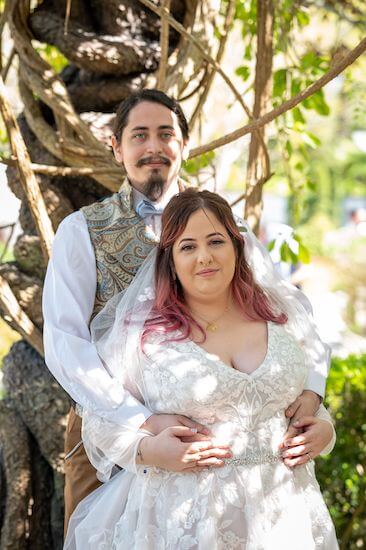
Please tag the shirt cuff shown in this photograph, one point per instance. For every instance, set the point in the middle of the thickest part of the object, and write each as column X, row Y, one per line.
column 315, row 382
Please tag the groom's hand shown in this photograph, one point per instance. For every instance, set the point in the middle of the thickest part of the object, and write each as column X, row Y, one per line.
column 306, row 404
column 156, row 423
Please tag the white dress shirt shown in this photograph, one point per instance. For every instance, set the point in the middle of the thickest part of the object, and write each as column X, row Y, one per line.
column 68, row 301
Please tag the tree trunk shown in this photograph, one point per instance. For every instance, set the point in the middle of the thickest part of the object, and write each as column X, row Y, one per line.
column 258, row 170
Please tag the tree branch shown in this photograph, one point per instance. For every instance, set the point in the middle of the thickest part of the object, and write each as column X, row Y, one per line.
column 4, row 72
column 26, row 175
column 178, row 27
column 99, row 54
column 50, row 170
column 22, row 324
column 230, row 12
column 258, row 168
column 164, row 44
column 337, row 68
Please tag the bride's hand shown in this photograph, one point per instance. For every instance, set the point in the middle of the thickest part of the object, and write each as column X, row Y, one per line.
column 156, row 423
column 308, row 445
column 166, row 450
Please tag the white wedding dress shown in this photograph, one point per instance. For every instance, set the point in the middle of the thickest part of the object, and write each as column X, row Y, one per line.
column 254, row 502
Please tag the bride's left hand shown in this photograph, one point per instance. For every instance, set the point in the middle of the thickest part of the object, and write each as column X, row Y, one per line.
column 308, row 445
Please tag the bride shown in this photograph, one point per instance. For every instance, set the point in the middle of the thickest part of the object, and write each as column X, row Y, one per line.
column 207, row 330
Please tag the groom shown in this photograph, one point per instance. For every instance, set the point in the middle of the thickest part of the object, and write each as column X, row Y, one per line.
column 97, row 251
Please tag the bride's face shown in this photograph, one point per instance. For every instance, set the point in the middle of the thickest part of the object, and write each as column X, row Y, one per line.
column 204, row 257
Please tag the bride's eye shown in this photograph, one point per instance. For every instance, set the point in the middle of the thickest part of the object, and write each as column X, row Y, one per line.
column 187, row 247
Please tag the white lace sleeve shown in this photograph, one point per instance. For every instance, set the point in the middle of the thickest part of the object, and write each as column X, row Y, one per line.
column 323, row 414
column 108, row 444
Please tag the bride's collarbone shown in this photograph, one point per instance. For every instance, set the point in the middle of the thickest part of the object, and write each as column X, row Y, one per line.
column 242, row 346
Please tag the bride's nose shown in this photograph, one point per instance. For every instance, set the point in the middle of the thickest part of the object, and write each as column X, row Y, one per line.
column 204, row 257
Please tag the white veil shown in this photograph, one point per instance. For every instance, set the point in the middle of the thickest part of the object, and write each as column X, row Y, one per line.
column 117, row 329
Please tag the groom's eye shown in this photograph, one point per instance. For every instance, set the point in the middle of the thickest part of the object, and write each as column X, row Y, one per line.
column 139, row 136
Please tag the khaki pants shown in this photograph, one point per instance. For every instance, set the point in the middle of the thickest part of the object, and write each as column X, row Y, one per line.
column 80, row 476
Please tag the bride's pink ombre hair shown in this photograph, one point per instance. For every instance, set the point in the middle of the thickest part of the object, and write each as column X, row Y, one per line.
column 170, row 312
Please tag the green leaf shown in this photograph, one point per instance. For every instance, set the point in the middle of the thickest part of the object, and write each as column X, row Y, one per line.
column 243, row 72
column 311, row 185
column 295, row 86
column 279, row 82
column 309, row 60
column 304, row 254
column 310, row 139
column 248, row 52
column 285, row 252
column 297, row 116
column 271, row 245
column 288, row 147
column 318, row 103
column 302, row 18
column 193, row 166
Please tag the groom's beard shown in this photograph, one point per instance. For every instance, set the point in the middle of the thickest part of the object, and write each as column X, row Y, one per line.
column 154, row 186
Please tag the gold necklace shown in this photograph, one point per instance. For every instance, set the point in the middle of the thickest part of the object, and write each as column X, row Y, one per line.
column 212, row 326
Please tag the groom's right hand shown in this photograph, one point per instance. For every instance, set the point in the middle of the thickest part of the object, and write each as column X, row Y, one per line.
column 156, row 423
column 167, row 450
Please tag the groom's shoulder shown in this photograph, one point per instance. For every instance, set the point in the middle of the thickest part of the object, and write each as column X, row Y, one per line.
column 101, row 205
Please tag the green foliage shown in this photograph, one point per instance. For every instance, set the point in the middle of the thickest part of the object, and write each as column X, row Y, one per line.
column 342, row 473
column 52, row 55
column 291, row 249
column 8, row 256
column 314, row 231
column 7, row 338
column 193, row 166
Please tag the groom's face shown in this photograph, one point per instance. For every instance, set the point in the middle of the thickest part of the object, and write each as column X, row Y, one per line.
column 151, row 148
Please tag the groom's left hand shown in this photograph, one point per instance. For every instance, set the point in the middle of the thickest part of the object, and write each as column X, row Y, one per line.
column 306, row 404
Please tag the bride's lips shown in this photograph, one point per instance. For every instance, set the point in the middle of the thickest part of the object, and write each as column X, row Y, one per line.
column 207, row 272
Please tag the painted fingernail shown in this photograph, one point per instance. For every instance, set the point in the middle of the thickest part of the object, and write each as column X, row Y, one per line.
column 194, row 430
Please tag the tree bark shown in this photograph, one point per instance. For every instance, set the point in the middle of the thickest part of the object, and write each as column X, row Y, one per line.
column 258, row 169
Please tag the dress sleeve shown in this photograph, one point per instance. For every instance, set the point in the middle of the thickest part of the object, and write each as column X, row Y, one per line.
column 68, row 300
column 323, row 414
column 319, row 369
column 108, row 444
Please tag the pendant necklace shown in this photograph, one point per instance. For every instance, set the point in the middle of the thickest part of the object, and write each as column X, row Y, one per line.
column 212, row 326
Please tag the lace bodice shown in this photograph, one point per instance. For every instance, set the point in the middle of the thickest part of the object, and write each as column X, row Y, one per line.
column 246, row 409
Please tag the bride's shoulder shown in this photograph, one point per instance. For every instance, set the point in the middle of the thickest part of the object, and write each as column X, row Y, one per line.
column 160, row 344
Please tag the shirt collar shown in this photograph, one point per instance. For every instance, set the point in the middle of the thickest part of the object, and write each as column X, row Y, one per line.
column 132, row 196
column 137, row 196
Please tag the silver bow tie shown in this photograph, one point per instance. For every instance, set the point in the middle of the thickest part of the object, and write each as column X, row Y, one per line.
column 146, row 208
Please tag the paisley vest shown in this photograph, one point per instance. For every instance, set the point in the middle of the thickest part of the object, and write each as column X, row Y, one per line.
column 121, row 242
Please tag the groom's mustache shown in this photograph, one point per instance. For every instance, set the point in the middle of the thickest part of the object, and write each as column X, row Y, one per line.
column 150, row 160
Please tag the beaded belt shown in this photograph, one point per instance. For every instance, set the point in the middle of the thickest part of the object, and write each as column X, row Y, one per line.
column 253, row 459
